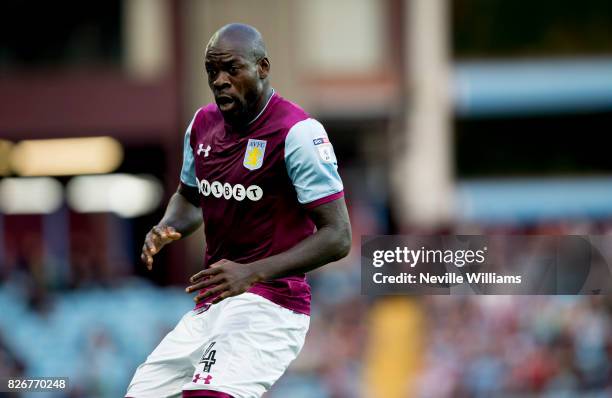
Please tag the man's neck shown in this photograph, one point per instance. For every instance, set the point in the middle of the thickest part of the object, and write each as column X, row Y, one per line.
column 263, row 103
column 249, row 118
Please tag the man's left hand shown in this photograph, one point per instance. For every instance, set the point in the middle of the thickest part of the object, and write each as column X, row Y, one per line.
column 225, row 277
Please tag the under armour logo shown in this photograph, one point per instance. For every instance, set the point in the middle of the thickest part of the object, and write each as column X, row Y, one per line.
column 206, row 379
column 202, row 149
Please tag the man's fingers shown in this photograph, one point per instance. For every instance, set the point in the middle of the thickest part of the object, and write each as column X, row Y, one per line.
column 165, row 233
column 145, row 250
column 159, row 236
column 174, row 235
column 155, row 240
column 157, row 230
column 205, row 283
column 211, row 270
column 204, row 273
column 151, row 248
column 147, row 260
column 147, row 256
column 210, row 292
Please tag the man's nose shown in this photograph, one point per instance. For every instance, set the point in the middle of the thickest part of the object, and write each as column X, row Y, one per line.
column 221, row 81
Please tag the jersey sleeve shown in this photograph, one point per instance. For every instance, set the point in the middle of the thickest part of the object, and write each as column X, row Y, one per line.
column 311, row 164
column 188, row 176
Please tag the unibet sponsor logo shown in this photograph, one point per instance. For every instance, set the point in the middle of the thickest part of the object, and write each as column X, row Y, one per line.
column 228, row 191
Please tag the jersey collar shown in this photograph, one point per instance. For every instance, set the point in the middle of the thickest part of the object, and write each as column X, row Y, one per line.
column 264, row 108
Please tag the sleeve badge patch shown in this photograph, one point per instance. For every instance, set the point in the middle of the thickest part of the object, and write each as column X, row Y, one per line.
column 325, row 149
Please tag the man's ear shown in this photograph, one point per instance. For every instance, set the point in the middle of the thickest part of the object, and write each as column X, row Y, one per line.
column 263, row 67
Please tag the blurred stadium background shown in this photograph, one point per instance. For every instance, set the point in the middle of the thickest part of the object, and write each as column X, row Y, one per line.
column 464, row 116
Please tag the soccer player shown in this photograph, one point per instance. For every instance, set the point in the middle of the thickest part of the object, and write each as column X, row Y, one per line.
column 261, row 174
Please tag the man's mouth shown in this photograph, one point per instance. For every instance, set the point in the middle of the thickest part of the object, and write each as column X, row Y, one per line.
column 225, row 102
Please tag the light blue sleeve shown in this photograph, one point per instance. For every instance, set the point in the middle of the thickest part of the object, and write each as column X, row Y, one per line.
column 311, row 162
column 188, row 176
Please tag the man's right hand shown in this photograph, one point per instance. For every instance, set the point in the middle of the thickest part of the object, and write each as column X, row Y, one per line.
column 158, row 237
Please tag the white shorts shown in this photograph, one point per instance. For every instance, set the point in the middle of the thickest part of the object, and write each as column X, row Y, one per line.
column 239, row 347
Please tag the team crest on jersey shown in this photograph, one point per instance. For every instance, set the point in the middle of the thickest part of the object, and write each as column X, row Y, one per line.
column 254, row 156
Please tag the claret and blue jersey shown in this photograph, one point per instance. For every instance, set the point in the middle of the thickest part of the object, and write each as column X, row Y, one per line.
column 256, row 186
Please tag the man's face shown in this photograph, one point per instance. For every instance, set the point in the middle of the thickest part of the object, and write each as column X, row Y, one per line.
column 234, row 80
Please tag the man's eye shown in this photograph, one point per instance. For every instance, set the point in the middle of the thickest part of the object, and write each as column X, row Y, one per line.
column 233, row 69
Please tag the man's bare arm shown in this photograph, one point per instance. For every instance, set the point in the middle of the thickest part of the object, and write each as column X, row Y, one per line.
column 183, row 212
column 330, row 242
column 181, row 218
